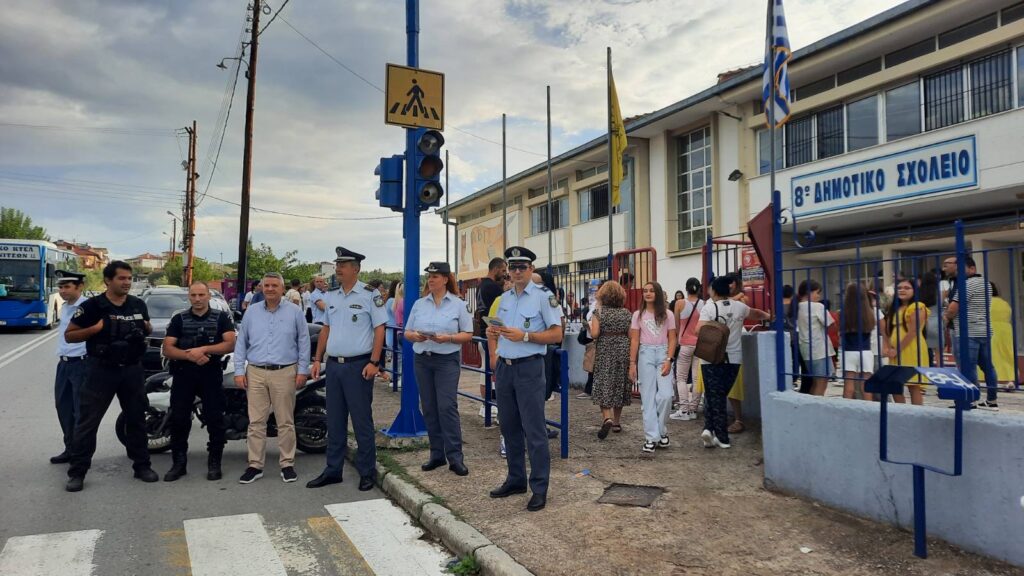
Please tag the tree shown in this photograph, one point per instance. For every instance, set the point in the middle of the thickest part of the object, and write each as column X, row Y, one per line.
column 263, row 260
column 94, row 281
column 201, row 270
column 16, row 224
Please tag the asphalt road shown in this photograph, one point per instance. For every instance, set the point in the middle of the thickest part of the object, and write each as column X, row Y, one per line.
column 119, row 525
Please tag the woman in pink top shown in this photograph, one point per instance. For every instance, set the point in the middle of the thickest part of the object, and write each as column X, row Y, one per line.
column 652, row 343
column 687, row 312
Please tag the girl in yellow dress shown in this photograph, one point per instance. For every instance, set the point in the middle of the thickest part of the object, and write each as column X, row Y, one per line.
column 1002, row 337
column 905, row 321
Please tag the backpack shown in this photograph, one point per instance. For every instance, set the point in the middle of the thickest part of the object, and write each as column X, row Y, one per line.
column 712, row 340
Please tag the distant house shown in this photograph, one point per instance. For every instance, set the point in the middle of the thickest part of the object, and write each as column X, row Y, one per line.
column 89, row 257
column 147, row 262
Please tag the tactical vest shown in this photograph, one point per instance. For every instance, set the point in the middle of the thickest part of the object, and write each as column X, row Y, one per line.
column 197, row 332
column 125, row 338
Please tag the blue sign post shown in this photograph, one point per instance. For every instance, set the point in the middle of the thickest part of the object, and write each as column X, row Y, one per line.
column 952, row 386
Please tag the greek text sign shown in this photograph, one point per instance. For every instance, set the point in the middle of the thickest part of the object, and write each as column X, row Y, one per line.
column 939, row 167
column 18, row 252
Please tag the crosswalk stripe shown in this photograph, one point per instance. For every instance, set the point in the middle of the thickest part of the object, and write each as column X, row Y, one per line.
column 231, row 545
column 58, row 554
column 339, row 547
column 385, row 536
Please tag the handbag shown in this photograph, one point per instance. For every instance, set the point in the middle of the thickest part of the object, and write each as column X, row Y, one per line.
column 712, row 340
column 588, row 357
column 584, row 336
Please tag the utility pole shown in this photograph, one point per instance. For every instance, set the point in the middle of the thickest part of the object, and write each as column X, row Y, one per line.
column 174, row 234
column 250, row 101
column 190, row 216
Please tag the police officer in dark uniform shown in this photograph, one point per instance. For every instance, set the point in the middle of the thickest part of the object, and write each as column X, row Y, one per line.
column 531, row 318
column 196, row 340
column 352, row 344
column 114, row 326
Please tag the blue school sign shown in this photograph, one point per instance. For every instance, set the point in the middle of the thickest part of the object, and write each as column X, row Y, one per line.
column 939, row 167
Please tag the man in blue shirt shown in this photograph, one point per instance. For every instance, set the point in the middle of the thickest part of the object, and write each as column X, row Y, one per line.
column 316, row 300
column 351, row 343
column 71, row 370
column 531, row 318
column 274, row 339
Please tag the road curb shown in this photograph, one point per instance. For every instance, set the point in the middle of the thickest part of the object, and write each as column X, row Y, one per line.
column 459, row 536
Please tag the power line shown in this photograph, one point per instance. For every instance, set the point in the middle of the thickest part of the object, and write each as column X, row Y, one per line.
column 223, row 131
column 329, row 55
column 95, row 129
column 274, row 17
column 311, row 217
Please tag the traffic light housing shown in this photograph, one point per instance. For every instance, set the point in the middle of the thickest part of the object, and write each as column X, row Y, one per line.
column 428, row 165
column 390, row 191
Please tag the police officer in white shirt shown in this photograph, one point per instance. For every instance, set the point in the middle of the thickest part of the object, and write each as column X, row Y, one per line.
column 71, row 370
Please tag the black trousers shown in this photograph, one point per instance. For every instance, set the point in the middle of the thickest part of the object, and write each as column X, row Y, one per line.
column 103, row 383
column 206, row 383
column 718, row 380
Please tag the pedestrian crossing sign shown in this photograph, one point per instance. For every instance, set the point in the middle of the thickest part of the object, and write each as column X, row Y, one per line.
column 414, row 98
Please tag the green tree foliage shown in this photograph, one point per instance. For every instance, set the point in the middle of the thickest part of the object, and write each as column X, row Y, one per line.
column 203, row 270
column 16, row 224
column 94, row 280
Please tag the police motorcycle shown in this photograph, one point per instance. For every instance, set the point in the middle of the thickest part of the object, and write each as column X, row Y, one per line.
column 310, row 410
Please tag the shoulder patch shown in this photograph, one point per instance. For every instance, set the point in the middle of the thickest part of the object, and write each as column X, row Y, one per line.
column 553, row 300
column 78, row 312
column 378, row 301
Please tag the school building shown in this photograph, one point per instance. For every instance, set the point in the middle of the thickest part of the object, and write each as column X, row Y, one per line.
column 900, row 125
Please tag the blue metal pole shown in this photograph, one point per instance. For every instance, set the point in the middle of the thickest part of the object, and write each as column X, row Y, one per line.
column 920, row 526
column 488, row 385
column 961, row 292
column 409, row 421
column 780, row 332
column 564, row 417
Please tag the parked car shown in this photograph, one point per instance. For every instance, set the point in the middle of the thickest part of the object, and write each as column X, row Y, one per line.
column 163, row 303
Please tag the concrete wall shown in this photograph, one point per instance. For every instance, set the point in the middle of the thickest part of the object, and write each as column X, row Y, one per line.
column 827, row 450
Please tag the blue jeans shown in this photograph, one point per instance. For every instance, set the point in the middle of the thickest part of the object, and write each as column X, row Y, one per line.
column 979, row 354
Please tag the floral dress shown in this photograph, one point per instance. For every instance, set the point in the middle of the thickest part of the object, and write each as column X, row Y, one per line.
column 612, row 388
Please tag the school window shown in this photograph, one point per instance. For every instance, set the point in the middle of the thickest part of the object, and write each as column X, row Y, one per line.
column 902, row 111
column 800, row 141
column 592, row 171
column 862, row 123
column 693, row 196
column 944, row 98
column 594, row 202
column 1020, row 76
column 542, row 190
column 764, row 150
column 991, row 84
column 830, row 132
column 541, row 223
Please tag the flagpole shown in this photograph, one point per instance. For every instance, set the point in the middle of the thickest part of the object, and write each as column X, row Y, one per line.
column 504, row 190
column 551, row 220
column 611, row 210
column 770, row 105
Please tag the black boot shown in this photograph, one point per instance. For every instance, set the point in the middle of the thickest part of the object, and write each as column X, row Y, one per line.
column 178, row 461
column 213, row 465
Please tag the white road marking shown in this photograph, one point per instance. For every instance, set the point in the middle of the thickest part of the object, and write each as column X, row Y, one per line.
column 25, row 348
column 383, row 533
column 231, row 545
column 58, row 554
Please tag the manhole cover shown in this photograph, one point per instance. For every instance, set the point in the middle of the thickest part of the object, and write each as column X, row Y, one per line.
column 630, row 495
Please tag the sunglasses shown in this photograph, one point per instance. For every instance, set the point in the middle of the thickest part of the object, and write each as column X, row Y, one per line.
column 518, row 267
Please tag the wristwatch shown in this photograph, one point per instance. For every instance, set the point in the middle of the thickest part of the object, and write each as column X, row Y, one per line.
column 526, row 336
column 375, row 363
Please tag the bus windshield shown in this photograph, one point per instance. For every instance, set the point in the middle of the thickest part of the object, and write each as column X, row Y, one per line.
column 19, row 280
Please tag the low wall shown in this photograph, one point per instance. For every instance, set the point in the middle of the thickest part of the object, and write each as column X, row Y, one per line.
column 826, row 449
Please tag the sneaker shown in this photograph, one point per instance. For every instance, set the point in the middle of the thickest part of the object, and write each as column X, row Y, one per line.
column 664, row 442
column 679, row 415
column 501, row 451
column 648, row 447
column 719, row 443
column 987, row 405
column 706, row 437
column 288, row 474
column 250, row 475
column 691, row 415
column 582, row 396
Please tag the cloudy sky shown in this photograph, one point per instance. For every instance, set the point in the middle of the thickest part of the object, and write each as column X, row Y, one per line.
column 92, row 92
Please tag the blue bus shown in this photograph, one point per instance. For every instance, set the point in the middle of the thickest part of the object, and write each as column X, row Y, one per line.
column 28, row 283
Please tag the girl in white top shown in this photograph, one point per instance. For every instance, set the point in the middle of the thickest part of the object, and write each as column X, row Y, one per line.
column 652, row 343
column 812, row 322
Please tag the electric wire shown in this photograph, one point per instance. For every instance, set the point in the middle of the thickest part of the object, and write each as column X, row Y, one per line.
column 274, row 17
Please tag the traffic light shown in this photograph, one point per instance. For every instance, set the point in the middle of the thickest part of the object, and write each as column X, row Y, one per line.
column 428, row 166
column 390, row 191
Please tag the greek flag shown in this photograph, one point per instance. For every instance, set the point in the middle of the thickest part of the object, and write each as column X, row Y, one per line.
column 775, row 83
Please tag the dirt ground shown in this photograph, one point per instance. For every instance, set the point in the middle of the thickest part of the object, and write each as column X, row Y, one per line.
column 715, row 516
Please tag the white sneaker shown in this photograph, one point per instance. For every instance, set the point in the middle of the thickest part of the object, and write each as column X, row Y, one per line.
column 691, row 415
column 719, row 443
column 679, row 415
column 708, row 438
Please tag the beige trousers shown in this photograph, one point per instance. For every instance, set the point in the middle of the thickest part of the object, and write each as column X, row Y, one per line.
column 271, row 388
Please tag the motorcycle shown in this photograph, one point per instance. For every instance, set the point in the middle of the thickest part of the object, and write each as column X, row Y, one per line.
column 310, row 413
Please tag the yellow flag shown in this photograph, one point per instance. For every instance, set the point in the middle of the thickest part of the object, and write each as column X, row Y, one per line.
column 617, row 140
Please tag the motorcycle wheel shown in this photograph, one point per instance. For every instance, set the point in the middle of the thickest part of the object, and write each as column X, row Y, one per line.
column 157, row 441
column 311, row 427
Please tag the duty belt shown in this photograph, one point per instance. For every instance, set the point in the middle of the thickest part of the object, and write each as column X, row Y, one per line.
column 348, row 359
column 72, row 358
column 438, row 354
column 272, row 366
column 514, row 361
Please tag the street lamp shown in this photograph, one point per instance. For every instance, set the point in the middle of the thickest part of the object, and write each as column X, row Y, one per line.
column 222, row 66
column 174, row 230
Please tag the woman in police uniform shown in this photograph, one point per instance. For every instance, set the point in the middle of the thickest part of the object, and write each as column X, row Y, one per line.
column 438, row 326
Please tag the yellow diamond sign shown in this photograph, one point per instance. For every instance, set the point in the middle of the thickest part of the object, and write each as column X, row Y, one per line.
column 414, row 98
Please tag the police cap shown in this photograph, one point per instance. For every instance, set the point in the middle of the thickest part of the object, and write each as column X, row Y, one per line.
column 519, row 254
column 68, row 276
column 346, row 255
column 438, row 268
